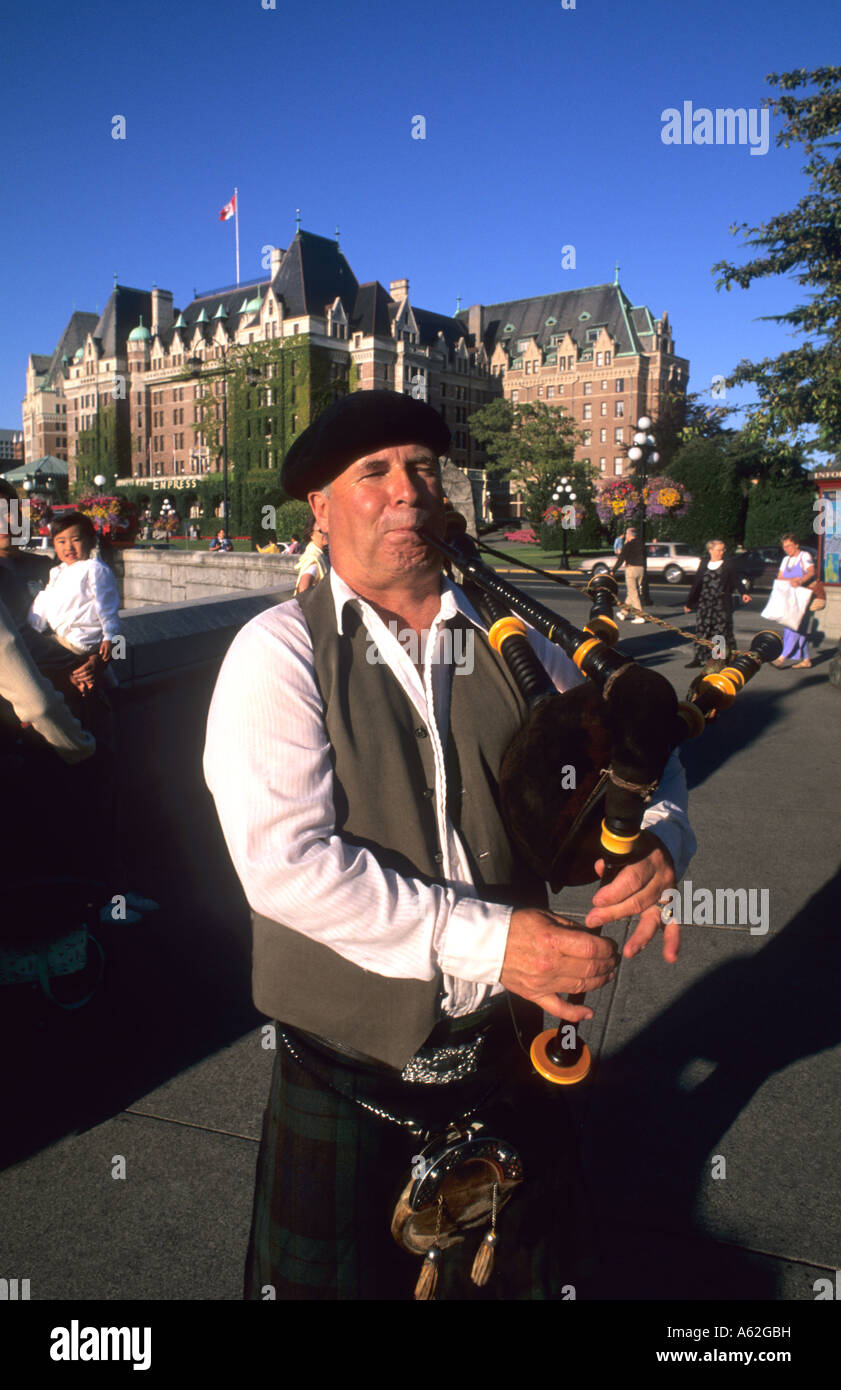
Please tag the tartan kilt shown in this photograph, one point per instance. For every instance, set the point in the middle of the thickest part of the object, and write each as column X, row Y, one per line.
column 329, row 1173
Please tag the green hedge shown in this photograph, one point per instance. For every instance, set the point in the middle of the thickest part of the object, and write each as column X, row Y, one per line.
column 774, row 508
column 715, row 510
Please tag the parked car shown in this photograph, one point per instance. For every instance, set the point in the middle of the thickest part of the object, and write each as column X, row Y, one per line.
column 761, row 565
column 675, row 561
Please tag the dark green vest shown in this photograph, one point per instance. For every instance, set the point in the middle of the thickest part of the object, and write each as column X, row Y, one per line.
column 384, row 778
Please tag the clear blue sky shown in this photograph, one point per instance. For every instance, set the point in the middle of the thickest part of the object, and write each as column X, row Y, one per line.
column 543, row 129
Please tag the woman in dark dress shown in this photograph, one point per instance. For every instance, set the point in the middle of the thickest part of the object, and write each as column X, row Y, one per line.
column 713, row 594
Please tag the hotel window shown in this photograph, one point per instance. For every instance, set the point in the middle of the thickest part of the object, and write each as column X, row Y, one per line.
column 619, row 435
column 528, row 368
column 603, row 408
column 599, row 359
column 620, row 383
column 539, row 392
column 588, row 412
column 607, row 359
column 604, row 385
column 602, row 436
column 515, row 396
column 602, row 466
column 588, row 388
column 619, row 409
column 588, row 436
column 550, row 391
column 560, row 390
column 617, row 466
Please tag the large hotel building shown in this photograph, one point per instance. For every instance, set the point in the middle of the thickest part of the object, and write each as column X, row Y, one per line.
column 119, row 396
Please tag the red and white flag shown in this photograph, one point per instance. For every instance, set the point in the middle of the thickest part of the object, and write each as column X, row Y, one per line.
column 229, row 210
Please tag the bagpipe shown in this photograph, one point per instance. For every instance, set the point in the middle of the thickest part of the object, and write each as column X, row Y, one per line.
column 616, row 731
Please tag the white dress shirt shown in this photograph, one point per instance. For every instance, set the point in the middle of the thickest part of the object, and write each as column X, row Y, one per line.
column 81, row 603
column 267, row 763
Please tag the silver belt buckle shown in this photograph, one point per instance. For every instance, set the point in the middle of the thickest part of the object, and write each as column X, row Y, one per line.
column 441, row 1066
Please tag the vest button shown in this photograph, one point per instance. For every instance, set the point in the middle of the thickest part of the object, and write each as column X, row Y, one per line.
column 429, row 793
column 439, row 858
column 421, row 733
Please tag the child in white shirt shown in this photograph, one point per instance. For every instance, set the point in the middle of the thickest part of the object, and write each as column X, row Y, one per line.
column 81, row 601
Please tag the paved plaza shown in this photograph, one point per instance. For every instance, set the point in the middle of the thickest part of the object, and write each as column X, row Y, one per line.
column 708, row 1136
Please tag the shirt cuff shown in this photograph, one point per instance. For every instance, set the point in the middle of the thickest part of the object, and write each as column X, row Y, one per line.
column 473, row 943
column 674, row 833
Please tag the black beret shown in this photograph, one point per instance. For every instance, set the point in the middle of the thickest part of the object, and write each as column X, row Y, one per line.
column 353, row 427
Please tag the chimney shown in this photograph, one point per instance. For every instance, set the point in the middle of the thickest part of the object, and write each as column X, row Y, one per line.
column 278, row 254
column 474, row 323
column 162, row 315
column 399, row 290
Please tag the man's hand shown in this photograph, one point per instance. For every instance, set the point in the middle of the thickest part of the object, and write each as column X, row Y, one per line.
column 105, row 648
column 83, row 676
column 546, row 957
column 639, row 888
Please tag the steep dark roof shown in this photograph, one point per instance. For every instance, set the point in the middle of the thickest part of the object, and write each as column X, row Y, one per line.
column 373, row 311
column 121, row 314
column 231, row 297
column 605, row 304
column 642, row 320
column 312, row 274
column 430, row 325
column 78, row 327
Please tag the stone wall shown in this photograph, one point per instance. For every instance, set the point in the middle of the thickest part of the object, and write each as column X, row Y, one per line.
column 828, row 621
column 149, row 577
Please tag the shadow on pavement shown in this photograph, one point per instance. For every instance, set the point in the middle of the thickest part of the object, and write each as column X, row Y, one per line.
column 176, row 985
column 650, row 1135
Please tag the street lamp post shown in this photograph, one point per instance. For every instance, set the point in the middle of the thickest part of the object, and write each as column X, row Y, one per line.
column 642, row 452
column 564, row 496
column 99, row 482
column 166, row 512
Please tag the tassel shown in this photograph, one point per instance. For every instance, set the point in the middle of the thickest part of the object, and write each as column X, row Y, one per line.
column 428, row 1277
column 484, row 1261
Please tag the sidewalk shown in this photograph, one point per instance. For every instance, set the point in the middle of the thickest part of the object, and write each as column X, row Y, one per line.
column 709, row 1134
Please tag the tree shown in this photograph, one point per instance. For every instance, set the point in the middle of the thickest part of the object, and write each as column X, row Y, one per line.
column 801, row 386
column 532, row 445
column 726, row 474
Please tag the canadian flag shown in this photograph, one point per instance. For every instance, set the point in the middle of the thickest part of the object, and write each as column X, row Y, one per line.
column 228, row 210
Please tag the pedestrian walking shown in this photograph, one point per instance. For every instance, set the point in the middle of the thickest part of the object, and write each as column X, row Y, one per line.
column 713, row 594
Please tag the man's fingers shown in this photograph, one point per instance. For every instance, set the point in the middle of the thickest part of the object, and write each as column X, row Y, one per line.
column 646, row 929
column 631, row 880
column 559, row 1008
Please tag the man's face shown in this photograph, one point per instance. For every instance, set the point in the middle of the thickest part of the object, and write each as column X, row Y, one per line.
column 71, row 545
column 374, row 512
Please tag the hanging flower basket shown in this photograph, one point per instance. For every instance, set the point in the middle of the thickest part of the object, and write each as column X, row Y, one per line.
column 115, row 518
column 557, row 514
column 617, row 500
column 664, row 497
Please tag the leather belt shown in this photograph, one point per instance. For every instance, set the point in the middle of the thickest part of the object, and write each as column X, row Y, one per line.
column 450, row 1053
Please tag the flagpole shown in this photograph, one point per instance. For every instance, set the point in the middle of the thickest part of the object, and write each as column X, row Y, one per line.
column 236, row 226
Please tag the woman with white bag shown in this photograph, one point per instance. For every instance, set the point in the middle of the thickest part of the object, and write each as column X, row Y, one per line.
column 789, row 602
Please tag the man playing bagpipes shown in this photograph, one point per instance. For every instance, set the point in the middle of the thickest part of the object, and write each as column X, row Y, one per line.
column 401, row 943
